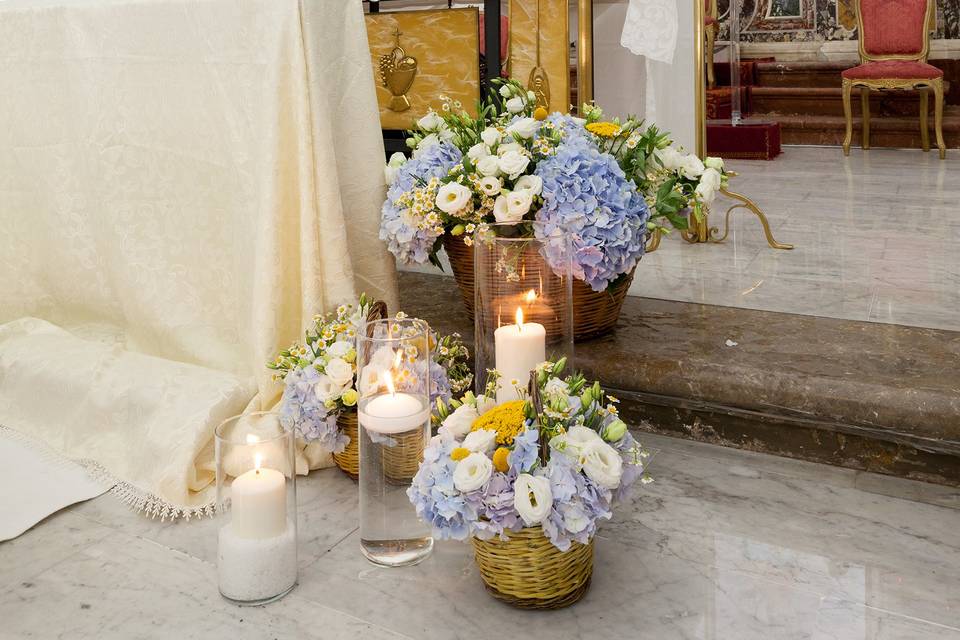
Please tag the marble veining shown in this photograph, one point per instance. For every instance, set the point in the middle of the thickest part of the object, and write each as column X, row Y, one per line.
column 724, row 545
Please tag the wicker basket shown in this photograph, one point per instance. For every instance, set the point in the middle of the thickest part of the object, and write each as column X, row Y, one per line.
column 594, row 313
column 349, row 459
column 528, row 572
column 401, row 461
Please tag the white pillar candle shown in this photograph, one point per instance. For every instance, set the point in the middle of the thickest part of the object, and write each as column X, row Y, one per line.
column 259, row 503
column 519, row 348
column 393, row 412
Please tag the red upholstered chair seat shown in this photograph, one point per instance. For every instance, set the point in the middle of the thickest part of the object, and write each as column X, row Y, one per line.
column 906, row 69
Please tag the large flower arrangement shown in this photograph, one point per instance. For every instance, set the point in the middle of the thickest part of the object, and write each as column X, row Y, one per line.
column 604, row 184
column 493, row 470
column 320, row 374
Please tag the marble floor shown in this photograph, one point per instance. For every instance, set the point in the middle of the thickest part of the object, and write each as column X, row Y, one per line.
column 725, row 545
column 876, row 238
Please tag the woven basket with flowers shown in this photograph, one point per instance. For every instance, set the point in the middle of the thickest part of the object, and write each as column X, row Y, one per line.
column 322, row 388
column 528, row 482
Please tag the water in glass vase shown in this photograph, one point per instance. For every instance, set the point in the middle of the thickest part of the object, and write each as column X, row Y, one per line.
column 390, row 532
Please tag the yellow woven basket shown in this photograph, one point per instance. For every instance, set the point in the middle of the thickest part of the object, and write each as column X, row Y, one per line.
column 528, row 572
column 349, row 459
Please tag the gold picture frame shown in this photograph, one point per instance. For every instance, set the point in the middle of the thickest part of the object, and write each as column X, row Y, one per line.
column 417, row 56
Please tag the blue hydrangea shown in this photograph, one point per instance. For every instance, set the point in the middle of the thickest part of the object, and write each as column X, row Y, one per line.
column 302, row 409
column 588, row 199
column 498, row 516
column 403, row 238
column 571, row 128
column 449, row 513
column 633, row 464
column 578, row 504
column 525, row 452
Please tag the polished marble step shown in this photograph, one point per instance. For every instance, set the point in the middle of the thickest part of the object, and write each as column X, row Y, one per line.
column 897, row 132
column 828, row 101
column 878, row 397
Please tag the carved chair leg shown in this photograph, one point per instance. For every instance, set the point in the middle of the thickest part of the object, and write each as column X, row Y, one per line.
column 938, row 115
column 847, row 87
column 924, row 127
column 865, row 111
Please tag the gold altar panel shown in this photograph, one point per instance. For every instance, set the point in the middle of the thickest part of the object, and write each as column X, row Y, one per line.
column 440, row 55
column 554, row 46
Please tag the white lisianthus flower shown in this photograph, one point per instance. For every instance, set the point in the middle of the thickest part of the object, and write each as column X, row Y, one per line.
column 430, row 122
column 326, row 389
column 507, row 147
column 393, row 165
column 518, row 203
column 472, row 472
column 459, row 422
column 490, row 185
column 524, row 127
column 555, row 387
column 505, row 91
column 709, row 184
column 691, row 166
column 532, row 498
column 713, row 163
column 669, row 157
column 490, row 136
column 513, row 163
column 531, row 96
column 452, row 197
column 477, row 151
column 339, row 371
column 485, row 404
column 368, row 382
column 488, row 166
column 427, row 142
column 602, row 463
column 339, row 349
column 533, row 184
column 515, row 105
column 501, row 211
column 480, row 441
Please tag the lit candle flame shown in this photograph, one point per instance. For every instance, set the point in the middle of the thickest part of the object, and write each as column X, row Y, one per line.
column 388, row 380
column 257, row 461
column 531, row 296
column 398, row 359
column 519, row 318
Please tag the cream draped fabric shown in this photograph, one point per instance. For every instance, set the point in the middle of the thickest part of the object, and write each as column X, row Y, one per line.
column 183, row 185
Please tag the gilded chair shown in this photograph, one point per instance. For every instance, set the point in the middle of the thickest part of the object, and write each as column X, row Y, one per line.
column 894, row 43
column 710, row 26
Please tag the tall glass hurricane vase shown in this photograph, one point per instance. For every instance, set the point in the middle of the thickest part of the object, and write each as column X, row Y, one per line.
column 257, row 503
column 523, row 305
column 393, row 361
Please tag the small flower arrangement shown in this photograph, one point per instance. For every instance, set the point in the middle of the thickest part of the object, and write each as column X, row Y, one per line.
column 605, row 184
column 558, row 461
column 320, row 374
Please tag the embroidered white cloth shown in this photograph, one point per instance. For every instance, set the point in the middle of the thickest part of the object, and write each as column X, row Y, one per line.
column 650, row 29
column 183, row 185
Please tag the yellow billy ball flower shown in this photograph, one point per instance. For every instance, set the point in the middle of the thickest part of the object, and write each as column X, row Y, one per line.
column 500, row 459
column 604, row 129
column 539, row 113
column 459, row 453
column 507, row 420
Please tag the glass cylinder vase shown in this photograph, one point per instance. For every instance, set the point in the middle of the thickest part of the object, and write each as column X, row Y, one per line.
column 393, row 364
column 257, row 501
column 523, row 301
